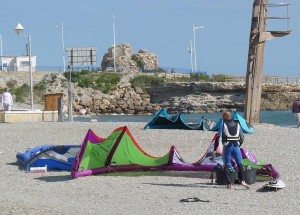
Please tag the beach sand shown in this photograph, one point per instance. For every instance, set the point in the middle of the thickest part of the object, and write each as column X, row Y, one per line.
column 144, row 192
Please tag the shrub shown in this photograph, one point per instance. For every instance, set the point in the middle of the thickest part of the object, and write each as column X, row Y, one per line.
column 41, row 86
column 104, row 81
column 11, row 83
column 85, row 82
column 139, row 63
column 146, row 80
column 199, row 77
column 197, row 92
column 219, row 77
column 21, row 92
column 108, row 81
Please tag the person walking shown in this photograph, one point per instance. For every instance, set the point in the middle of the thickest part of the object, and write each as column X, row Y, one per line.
column 7, row 100
column 296, row 111
column 232, row 137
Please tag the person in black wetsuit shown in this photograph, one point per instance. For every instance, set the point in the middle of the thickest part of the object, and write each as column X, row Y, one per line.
column 296, row 111
column 232, row 137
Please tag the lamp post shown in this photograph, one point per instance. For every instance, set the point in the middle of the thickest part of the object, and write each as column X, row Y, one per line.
column 114, row 33
column 1, row 52
column 195, row 56
column 19, row 29
column 70, row 95
column 61, row 26
column 190, row 50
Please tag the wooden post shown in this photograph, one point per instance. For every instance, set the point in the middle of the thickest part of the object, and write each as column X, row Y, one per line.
column 254, row 77
column 255, row 62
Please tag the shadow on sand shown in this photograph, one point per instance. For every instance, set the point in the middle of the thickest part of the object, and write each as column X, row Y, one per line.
column 55, row 178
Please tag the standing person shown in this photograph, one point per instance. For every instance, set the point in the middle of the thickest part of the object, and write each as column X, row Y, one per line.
column 7, row 100
column 296, row 111
column 232, row 137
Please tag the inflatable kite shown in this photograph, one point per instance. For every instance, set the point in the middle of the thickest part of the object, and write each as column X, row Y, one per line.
column 60, row 157
column 120, row 152
column 162, row 120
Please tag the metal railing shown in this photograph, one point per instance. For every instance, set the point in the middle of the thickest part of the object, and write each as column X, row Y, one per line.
column 265, row 79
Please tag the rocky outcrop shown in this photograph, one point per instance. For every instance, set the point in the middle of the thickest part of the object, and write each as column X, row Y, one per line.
column 149, row 61
column 214, row 97
column 123, row 58
column 125, row 100
column 125, row 61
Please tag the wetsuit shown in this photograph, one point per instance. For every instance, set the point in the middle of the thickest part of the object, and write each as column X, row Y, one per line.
column 296, row 111
column 232, row 137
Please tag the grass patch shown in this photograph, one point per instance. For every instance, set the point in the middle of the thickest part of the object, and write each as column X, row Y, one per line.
column 104, row 81
column 21, row 92
column 197, row 92
column 145, row 80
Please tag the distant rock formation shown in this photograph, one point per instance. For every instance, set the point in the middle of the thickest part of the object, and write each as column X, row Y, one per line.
column 125, row 61
column 149, row 60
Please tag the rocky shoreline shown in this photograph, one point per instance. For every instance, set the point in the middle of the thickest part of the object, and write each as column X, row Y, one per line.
column 176, row 97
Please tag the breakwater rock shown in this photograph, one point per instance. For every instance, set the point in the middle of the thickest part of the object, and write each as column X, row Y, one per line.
column 177, row 97
column 197, row 97
column 127, row 100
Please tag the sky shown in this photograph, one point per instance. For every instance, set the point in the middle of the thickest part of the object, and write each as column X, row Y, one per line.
column 162, row 27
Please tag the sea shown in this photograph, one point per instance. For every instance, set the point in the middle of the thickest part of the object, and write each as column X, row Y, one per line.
column 280, row 118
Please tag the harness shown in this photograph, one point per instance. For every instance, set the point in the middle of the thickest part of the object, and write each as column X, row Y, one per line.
column 231, row 131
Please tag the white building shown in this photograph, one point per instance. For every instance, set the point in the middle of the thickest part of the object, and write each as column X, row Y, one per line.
column 18, row 63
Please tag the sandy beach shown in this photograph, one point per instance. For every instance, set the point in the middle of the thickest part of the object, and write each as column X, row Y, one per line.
column 144, row 192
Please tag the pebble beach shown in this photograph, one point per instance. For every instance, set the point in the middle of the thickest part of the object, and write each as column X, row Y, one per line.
column 144, row 192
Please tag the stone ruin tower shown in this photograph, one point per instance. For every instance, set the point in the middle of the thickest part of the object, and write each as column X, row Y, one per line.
column 126, row 61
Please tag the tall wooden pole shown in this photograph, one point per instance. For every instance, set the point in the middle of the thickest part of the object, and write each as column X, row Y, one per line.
column 255, row 62
column 258, row 36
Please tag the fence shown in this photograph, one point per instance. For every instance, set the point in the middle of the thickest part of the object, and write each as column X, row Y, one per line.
column 277, row 79
column 266, row 79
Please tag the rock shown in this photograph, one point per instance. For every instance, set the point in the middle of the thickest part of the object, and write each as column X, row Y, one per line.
column 122, row 58
column 125, row 85
column 86, row 101
column 128, row 111
column 61, row 76
column 82, row 111
column 64, row 109
column 138, row 90
column 111, row 107
column 124, row 106
column 106, row 102
column 118, row 110
column 149, row 60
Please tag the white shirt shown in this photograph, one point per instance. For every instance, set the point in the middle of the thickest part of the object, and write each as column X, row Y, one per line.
column 7, row 98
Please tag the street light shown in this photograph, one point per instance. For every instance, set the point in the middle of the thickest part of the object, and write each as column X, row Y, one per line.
column 61, row 26
column 19, row 29
column 114, row 32
column 190, row 50
column 195, row 56
column 1, row 52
